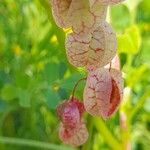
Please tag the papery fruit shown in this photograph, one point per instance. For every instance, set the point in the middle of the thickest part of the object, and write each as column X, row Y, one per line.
column 96, row 49
column 106, row 2
column 114, row 64
column 110, row 1
column 97, row 92
column 78, row 15
column 70, row 112
column 72, row 128
column 117, row 77
column 103, row 92
column 75, row 136
column 60, row 12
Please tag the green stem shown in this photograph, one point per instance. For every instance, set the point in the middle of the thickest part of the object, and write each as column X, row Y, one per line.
column 75, row 87
column 125, row 131
column 139, row 104
column 88, row 144
column 109, row 138
column 32, row 143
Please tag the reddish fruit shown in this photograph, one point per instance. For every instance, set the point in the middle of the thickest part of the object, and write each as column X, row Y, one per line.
column 75, row 136
column 70, row 112
column 92, row 50
column 67, row 13
column 115, row 63
column 103, row 92
column 72, row 128
column 104, row 2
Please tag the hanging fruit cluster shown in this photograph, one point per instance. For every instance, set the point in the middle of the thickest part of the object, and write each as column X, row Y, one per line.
column 92, row 44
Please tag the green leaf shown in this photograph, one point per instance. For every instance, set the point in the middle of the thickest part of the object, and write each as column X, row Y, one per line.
column 3, row 78
column 3, row 106
column 130, row 41
column 63, row 93
column 145, row 55
column 24, row 98
column 62, row 69
column 9, row 92
column 21, row 79
column 135, row 75
column 69, row 83
column 120, row 17
column 147, row 104
column 52, row 98
column 143, row 12
column 123, row 59
column 51, row 72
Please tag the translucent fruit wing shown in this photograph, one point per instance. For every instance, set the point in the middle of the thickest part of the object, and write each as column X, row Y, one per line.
column 96, row 49
column 69, row 114
column 103, row 92
column 85, row 19
column 110, row 2
column 117, row 76
column 115, row 99
column 60, row 12
column 78, row 15
column 114, row 64
column 74, row 137
column 104, row 2
column 97, row 92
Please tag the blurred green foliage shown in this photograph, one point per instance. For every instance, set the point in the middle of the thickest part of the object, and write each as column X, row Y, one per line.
column 35, row 76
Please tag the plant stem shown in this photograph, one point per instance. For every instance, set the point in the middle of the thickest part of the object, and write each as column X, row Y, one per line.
column 139, row 104
column 109, row 138
column 125, row 131
column 88, row 144
column 32, row 143
column 75, row 87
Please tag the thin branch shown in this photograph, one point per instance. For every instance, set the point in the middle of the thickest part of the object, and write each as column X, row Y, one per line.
column 75, row 87
column 88, row 145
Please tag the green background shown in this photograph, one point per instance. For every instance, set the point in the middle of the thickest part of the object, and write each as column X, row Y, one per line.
column 35, row 76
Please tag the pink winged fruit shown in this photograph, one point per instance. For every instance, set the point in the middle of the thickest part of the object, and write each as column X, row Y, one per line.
column 96, row 49
column 72, row 128
column 103, row 92
column 78, row 15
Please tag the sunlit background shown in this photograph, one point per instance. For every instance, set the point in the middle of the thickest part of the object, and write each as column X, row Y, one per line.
column 35, row 76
